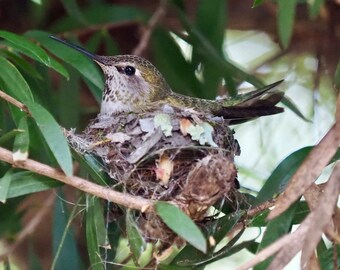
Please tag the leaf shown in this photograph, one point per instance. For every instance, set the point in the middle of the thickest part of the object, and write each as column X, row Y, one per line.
column 178, row 72
column 53, row 135
column 84, row 65
column 285, row 20
column 181, row 224
column 290, row 104
column 93, row 167
column 5, row 182
column 101, row 231
column 14, row 82
column 109, row 13
column 64, row 246
column 27, row 182
column 26, row 47
column 278, row 180
column 136, row 241
column 22, row 141
column 315, row 7
column 91, row 234
column 9, row 135
column 257, row 3
column 73, row 11
column 275, row 229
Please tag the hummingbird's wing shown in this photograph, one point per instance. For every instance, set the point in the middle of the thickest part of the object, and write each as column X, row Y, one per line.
column 252, row 105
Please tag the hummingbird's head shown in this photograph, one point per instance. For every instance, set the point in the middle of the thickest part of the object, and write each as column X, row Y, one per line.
column 131, row 82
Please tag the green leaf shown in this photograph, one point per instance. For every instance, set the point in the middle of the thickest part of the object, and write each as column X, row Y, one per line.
column 181, row 224
column 27, row 182
column 93, row 167
column 91, row 234
column 5, row 182
column 9, row 135
column 64, row 246
column 290, row 104
column 73, row 11
column 14, row 82
column 53, row 135
column 84, row 65
column 97, row 14
column 135, row 238
column 280, row 177
column 285, row 21
column 27, row 47
column 226, row 223
column 22, row 64
column 315, row 7
column 22, row 141
column 169, row 59
column 101, row 231
column 276, row 229
column 257, row 3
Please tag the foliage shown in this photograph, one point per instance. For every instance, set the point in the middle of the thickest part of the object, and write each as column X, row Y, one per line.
column 48, row 79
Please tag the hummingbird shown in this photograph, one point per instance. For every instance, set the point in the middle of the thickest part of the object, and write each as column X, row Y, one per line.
column 133, row 84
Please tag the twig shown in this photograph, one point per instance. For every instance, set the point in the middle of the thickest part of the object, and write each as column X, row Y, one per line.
column 30, row 227
column 144, row 41
column 123, row 199
column 13, row 101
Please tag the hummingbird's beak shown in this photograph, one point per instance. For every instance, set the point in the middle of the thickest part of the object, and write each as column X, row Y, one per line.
column 94, row 57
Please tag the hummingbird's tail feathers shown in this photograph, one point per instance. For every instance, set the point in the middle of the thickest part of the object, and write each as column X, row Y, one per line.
column 251, row 105
column 240, row 114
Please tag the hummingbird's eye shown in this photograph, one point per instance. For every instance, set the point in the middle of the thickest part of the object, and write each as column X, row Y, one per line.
column 129, row 70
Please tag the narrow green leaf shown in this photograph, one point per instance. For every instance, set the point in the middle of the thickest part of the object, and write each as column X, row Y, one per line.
column 65, row 250
column 72, row 9
column 257, row 3
column 135, row 238
column 93, row 167
column 21, row 64
column 315, row 7
column 101, row 231
column 291, row 105
column 14, row 82
column 5, row 182
column 225, row 224
column 27, row 182
column 181, row 224
column 91, row 235
column 286, row 14
column 9, row 135
column 53, row 136
column 278, row 180
column 84, row 65
column 276, row 229
column 22, row 141
column 25, row 46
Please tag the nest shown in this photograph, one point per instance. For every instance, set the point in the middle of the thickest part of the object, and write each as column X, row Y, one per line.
column 176, row 156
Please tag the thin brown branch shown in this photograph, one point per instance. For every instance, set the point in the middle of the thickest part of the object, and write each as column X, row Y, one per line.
column 13, row 101
column 30, row 227
column 144, row 41
column 123, row 199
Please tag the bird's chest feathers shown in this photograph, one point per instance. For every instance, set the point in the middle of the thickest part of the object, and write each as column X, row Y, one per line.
column 124, row 95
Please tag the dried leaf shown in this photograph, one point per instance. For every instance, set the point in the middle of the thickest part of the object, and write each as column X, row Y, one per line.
column 164, row 169
column 118, row 137
column 163, row 121
column 184, row 124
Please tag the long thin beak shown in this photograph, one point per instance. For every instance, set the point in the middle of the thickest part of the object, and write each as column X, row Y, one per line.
column 94, row 57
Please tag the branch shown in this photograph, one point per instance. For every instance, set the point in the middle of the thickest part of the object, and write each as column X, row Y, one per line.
column 144, row 41
column 123, row 199
column 13, row 101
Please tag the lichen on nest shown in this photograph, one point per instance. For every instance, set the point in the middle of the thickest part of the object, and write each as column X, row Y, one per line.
column 177, row 156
